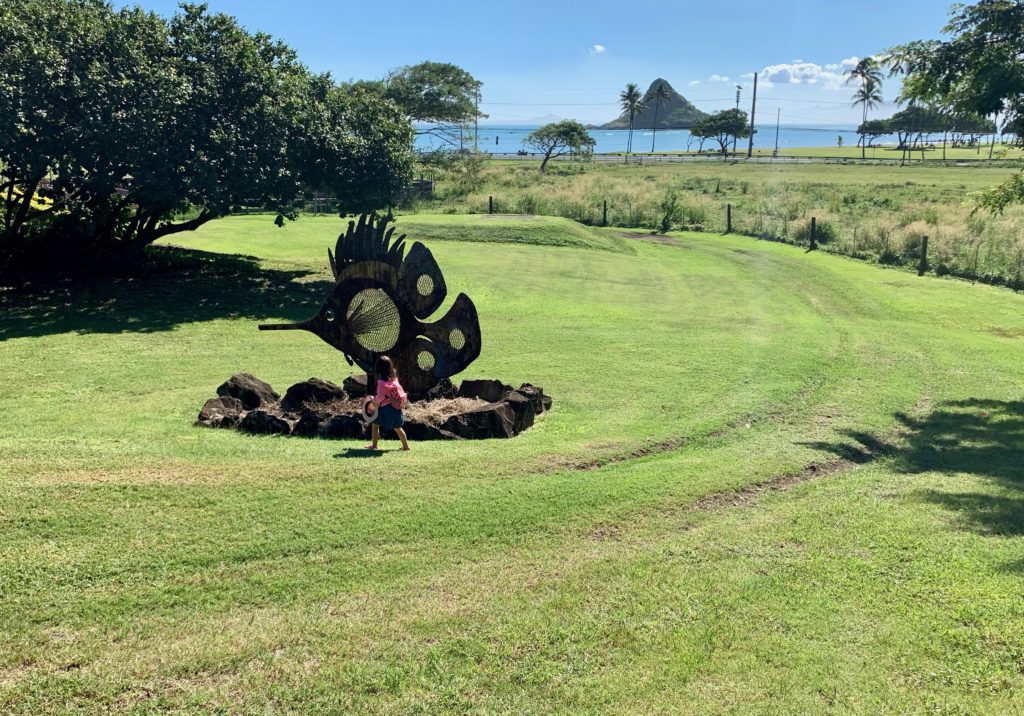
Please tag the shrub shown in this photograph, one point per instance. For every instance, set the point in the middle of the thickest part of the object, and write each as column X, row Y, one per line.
column 825, row 233
column 671, row 211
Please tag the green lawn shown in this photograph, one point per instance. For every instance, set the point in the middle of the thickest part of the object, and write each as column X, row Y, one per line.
column 616, row 558
column 873, row 212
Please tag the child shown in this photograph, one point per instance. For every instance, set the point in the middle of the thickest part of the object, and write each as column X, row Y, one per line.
column 389, row 400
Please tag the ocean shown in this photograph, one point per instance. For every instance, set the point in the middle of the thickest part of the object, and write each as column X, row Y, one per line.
column 509, row 139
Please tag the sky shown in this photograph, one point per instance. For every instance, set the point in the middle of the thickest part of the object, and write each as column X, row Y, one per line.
column 542, row 59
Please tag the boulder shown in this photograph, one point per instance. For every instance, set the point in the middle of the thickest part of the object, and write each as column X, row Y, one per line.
column 252, row 391
column 263, row 423
column 491, row 421
column 342, row 426
column 489, row 390
column 355, row 385
column 221, row 412
column 311, row 392
column 309, row 423
column 424, row 431
column 444, row 389
column 532, row 395
column 536, row 392
column 523, row 411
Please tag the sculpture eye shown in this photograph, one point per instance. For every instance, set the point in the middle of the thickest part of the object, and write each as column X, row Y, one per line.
column 329, row 315
column 425, row 285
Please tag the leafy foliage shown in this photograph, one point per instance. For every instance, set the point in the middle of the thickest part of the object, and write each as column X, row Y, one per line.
column 125, row 122
column 978, row 71
column 723, row 127
column 632, row 102
column 559, row 138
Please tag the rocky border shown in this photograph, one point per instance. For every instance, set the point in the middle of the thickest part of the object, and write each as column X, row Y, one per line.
column 318, row 408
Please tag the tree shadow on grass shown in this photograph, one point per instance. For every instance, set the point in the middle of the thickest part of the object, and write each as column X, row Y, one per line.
column 977, row 437
column 174, row 286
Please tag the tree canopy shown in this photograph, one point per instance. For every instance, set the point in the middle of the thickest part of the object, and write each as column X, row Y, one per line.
column 559, row 138
column 722, row 127
column 434, row 92
column 119, row 127
column 979, row 70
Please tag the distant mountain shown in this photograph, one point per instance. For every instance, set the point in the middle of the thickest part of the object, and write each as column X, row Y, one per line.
column 675, row 113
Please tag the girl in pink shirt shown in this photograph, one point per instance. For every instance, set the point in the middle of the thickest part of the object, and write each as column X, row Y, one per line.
column 389, row 400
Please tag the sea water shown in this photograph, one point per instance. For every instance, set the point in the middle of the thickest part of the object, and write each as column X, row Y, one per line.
column 508, row 139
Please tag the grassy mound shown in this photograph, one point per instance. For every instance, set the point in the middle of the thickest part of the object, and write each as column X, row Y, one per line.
column 772, row 482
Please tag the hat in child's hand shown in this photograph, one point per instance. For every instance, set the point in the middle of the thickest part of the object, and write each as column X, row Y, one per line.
column 369, row 411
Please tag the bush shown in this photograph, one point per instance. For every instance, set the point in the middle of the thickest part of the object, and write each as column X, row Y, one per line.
column 671, row 211
column 826, row 233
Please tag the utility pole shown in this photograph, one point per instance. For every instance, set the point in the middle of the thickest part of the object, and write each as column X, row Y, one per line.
column 753, row 108
column 778, row 117
column 738, row 88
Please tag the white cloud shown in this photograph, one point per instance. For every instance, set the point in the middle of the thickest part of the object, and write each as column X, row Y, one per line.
column 830, row 76
column 718, row 78
column 694, row 83
column 597, row 49
column 747, row 76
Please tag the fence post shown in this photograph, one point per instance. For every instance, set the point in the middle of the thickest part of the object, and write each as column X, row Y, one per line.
column 923, row 265
column 490, row 205
column 728, row 218
column 604, row 214
column 814, row 233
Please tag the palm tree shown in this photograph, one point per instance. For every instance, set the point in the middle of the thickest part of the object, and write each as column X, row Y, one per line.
column 633, row 102
column 661, row 95
column 869, row 94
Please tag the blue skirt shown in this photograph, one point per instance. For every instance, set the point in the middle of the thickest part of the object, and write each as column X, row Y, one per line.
column 390, row 418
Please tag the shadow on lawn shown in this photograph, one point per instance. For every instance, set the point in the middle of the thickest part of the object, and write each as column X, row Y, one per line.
column 173, row 287
column 978, row 437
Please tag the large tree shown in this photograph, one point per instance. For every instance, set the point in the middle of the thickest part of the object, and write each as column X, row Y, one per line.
column 723, row 127
column 440, row 98
column 631, row 100
column 868, row 76
column 558, row 139
column 661, row 96
column 978, row 70
column 130, row 128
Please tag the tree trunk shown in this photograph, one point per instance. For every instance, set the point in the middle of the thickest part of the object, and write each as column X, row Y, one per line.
column 863, row 148
column 655, row 127
column 544, row 164
column 26, row 202
column 154, row 234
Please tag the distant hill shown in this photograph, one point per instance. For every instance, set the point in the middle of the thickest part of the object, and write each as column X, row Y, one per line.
column 675, row 113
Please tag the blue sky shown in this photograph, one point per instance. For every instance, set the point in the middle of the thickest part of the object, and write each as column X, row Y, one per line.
column 570, row 59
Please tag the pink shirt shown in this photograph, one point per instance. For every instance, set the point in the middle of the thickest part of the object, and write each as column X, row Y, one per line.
column 390, row 392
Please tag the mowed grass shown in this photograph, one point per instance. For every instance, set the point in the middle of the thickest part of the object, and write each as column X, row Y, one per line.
column 611, row 559
column 871, row 212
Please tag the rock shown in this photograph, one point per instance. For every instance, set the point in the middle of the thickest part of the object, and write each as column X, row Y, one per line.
column 355, row 385
column 534, row 395
column 342, row 426
column 444, row 389
column 423, row 431
column 523, row 409
column 252, row 391
column 263, row 423
column 491, row 421
column 530, row 390
column 309, row 423
column 221, row 412
column 311, row 392
column 489, row 390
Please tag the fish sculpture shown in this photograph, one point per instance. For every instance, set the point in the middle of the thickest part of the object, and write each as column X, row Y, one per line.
column 380, row 299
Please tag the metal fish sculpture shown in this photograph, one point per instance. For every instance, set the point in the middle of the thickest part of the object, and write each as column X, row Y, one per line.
column 380, row 296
